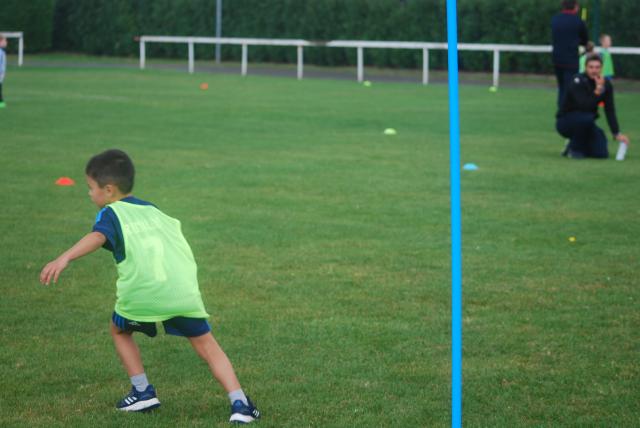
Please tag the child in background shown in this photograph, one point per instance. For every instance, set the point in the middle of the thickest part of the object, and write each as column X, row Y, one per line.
column 3, row 66
column 157, row 281
column 583, row 58
column 607, row 61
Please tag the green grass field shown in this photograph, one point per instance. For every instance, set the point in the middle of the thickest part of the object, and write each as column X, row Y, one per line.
column 323, row 252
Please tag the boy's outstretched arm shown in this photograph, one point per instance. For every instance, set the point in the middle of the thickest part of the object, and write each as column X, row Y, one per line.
column 88, row 244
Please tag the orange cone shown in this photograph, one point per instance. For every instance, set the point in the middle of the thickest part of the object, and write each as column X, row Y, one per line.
column 65, row 181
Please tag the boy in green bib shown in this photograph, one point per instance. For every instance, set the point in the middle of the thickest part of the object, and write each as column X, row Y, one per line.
column 607, row 61
column 157, row 281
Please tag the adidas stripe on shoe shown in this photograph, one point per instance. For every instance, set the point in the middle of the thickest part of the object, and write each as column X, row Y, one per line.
column 243, row 413
column 138, row 401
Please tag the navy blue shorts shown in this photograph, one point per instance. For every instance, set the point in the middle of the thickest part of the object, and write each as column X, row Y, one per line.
column 177, row 326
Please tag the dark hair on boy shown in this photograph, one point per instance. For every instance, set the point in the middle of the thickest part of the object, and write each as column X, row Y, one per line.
column 568, row 4
column 593, row 57
column 112, row 167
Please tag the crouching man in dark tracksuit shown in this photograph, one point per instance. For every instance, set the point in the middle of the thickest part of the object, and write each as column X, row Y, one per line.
column 578, row 112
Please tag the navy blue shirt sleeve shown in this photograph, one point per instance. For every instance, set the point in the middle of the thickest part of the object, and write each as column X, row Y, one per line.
column 105, row 224
column 108, row 224
column 610, row 108
column 584, row 34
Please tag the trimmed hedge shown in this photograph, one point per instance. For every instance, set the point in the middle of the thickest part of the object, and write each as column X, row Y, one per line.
column 107, row 27
column 33, row 17
column 619, row 19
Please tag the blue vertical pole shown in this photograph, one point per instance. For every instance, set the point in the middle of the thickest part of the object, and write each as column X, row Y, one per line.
column 218, row 28
column 456, row 220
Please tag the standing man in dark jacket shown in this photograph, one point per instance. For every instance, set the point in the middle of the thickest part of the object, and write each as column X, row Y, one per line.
column 568, row 32
column 577, row 116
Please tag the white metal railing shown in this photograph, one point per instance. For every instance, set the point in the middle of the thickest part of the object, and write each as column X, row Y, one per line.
column 16, row 35
column 360, row 45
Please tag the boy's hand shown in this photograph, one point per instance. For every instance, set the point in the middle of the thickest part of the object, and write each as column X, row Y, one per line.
column 89, row 243
column 53, row 270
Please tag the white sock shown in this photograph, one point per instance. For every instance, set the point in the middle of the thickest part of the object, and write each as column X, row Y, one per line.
column 238, row 395
column 139, row 382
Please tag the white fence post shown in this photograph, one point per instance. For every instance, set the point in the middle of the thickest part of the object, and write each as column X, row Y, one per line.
column 360, row 64
column 496, row 67
column 300, row 61
column 20, row 49
column 244, row 60
column 143, row 54
column 191, row 59
column 425, row 66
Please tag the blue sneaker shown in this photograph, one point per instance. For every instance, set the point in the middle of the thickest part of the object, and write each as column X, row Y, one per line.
column 139, row 401
column 242, row 413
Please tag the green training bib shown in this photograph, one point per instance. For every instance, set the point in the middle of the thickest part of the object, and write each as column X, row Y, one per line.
column 157, row 280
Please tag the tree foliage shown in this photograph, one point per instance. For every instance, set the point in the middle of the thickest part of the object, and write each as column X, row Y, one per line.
column 33, row 17
column 108, row 27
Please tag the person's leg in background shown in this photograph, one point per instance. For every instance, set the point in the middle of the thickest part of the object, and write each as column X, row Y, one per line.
column 578, row 127
column 597, row 146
